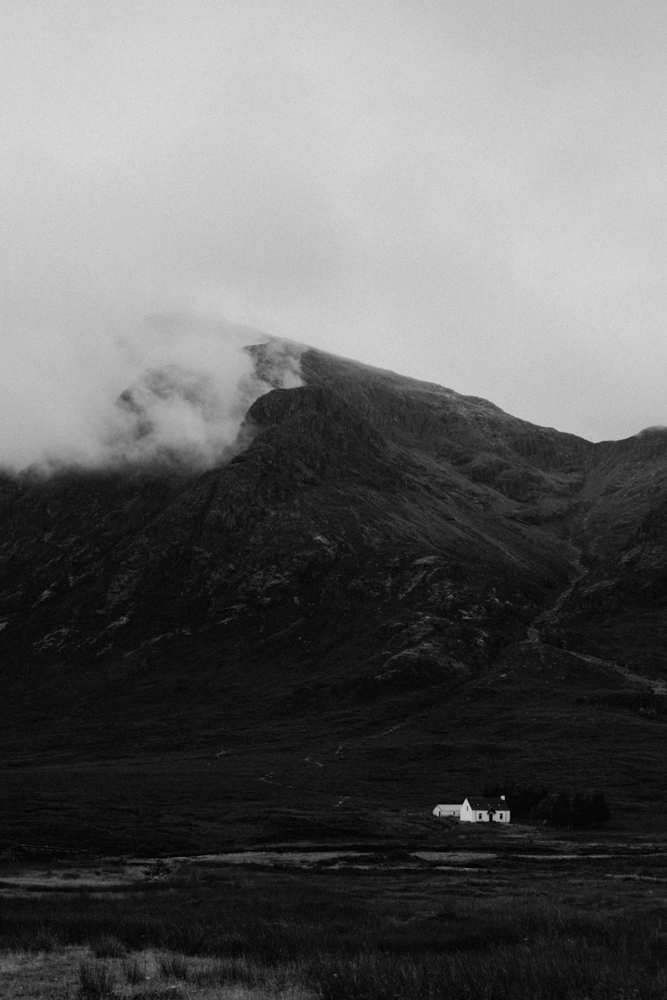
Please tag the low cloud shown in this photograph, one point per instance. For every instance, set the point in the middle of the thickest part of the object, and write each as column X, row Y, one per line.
column 173, row 392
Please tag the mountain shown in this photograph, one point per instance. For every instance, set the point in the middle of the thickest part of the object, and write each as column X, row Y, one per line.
column 395, row 595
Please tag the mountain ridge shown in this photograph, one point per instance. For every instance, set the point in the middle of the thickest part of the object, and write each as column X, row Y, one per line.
column 380, row 548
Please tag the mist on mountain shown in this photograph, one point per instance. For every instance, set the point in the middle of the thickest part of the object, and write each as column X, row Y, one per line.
column 174, row 391
column 406, row 584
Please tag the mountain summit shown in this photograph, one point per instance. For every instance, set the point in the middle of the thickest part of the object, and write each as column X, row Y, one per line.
column 384, row 553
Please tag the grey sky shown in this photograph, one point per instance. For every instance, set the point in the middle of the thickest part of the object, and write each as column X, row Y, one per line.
column 473, row 193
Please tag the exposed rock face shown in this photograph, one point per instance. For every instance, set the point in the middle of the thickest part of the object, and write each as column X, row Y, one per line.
column 379, row 535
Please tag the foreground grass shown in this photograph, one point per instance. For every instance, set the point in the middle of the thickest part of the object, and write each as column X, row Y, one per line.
column 299, row 935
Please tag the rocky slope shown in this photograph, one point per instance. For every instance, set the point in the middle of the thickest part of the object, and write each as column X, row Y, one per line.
column 383, row 548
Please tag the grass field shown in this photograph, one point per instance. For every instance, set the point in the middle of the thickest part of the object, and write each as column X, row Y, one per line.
column 546, row 925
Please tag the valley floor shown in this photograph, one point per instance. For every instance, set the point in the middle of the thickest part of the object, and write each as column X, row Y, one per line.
column 524, row 914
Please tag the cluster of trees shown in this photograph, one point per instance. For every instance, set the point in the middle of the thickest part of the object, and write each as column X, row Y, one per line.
column 580, row 811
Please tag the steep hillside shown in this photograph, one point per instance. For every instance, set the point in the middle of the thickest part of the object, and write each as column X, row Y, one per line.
column 389, row 566
column 617, row 608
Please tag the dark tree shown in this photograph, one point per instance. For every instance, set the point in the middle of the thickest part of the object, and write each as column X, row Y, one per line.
column 584, row 811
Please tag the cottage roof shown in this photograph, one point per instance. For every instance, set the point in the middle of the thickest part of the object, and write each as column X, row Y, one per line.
column 481, row 803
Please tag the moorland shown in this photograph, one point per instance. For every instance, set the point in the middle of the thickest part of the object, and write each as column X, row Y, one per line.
column 394, row 596
column 518, row 912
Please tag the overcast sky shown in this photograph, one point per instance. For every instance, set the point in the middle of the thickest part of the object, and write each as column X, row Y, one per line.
column 471, row 192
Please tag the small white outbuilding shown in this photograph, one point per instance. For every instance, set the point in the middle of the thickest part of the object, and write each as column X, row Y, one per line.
column 481, row 810
column 448, row 810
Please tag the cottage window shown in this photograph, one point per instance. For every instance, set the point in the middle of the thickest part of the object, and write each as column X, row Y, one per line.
column 479, row 815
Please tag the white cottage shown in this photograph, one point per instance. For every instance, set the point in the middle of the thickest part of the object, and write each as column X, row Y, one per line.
column 480, row 810
column 448, row 810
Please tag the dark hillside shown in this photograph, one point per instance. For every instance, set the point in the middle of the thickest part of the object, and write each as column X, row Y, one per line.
column 618, row 609
column 410, row 588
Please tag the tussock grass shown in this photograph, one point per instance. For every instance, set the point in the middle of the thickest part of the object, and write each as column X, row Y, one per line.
column 134, row 971
column 43, row 939
column 286, row 935
column 546, row 972
column 173, row 966
column 108, row 946
column 96, row 982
